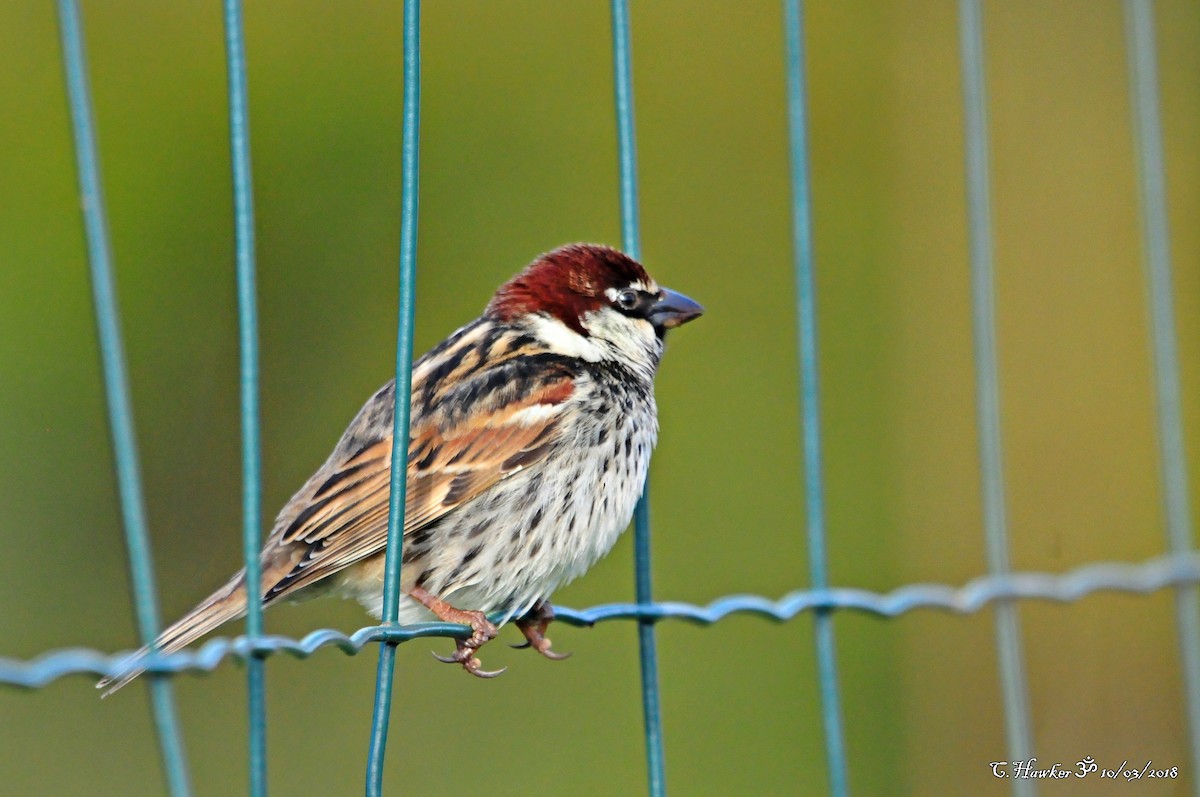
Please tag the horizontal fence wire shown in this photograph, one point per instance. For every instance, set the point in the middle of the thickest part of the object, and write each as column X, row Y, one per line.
column 116, row 389
column 1144, row 578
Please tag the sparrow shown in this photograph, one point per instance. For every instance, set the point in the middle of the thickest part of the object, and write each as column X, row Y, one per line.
column 531, row 434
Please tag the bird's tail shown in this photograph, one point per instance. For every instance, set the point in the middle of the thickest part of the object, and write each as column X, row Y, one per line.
column 227, row 603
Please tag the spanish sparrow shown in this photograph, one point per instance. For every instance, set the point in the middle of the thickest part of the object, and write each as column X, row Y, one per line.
column 532, row 428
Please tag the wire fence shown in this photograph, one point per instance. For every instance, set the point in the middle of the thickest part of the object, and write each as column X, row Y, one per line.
column 1001, row 588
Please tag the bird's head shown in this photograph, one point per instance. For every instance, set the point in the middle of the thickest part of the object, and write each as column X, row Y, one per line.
column 593, row 302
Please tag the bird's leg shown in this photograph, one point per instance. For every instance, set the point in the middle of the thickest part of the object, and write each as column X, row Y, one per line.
column 483, row 630
column 533, row 626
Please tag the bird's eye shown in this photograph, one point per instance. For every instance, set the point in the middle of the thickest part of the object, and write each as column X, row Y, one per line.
column 627, row 300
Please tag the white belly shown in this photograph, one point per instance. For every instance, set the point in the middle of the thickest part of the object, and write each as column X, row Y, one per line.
column 531, row 533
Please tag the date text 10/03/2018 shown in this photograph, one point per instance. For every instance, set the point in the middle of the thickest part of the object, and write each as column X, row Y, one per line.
column 1081, row 769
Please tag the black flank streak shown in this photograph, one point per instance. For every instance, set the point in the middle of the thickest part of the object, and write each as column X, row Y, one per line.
column 537, row 519
column 471, row 554
column 477, row 529
column 455, row 573
column 420, row 536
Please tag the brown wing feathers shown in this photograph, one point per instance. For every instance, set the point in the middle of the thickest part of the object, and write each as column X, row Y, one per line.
column 344, row 520
column 470, row 429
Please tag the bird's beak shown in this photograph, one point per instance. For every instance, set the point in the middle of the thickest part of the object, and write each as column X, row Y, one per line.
column 672, row 309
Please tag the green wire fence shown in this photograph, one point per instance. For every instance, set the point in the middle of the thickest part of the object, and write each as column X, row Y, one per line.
column 987, row 388
column 243, row 214
column 404, row 348
column 1001, row 587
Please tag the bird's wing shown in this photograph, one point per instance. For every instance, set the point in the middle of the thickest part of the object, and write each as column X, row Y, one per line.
column 345, row 517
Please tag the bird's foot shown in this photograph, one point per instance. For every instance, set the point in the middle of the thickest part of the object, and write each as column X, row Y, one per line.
column 533, row 625
column 482, row 632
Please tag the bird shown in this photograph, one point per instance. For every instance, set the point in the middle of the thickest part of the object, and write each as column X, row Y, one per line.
column 531, row 434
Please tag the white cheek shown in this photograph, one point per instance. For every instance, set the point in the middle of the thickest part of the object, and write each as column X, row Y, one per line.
column 631, row 338
column 564, row 340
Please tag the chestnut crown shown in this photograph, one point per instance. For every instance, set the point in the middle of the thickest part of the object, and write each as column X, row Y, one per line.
column 572, row 281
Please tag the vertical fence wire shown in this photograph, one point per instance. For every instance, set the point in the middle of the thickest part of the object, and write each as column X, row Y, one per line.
column 806, row 328
column 116, row 390
column 983, row 314
column 631, row 242
column 243, row 215
column 1143, row 80
column 385, row 673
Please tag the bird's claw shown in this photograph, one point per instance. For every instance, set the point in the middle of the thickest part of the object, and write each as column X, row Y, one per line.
column 465, row 656
column 483, row 631
column 533, row 626
column 553, row 655
column 543, row 649
column 472, row 667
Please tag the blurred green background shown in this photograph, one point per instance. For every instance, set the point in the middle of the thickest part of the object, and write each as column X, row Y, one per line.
column 518, row 156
